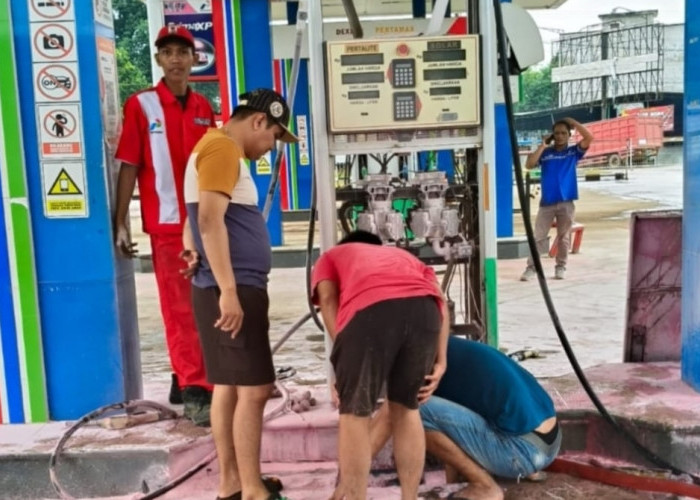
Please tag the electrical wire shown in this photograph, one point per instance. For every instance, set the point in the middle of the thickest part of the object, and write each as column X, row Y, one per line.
column 503, row 63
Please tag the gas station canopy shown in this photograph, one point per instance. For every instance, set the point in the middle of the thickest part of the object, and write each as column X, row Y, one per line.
column 333, row 8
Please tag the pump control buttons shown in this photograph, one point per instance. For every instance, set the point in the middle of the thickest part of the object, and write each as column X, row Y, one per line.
column 402, row 50
column 403, row 73
column 405, row 106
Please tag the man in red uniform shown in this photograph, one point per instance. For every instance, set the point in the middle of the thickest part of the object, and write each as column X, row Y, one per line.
column 385, row 313
column 161, row 126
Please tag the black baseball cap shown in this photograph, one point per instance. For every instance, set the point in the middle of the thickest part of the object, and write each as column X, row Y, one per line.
column 273, row 105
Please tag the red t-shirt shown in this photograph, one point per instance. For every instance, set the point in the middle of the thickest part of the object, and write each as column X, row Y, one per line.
column 366, row 274
column 158, row 136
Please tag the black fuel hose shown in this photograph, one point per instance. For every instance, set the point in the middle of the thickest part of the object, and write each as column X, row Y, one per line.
column 524, row 202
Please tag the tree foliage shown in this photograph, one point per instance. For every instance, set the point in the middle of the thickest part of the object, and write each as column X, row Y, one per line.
column 134, row 50
column 131, row 78
column 539, row 93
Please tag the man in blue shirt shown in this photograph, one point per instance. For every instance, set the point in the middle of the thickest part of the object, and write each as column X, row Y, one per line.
column 487, row 416
column 559, row 189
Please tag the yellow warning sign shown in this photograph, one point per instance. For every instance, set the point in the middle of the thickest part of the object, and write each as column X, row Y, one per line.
column 304, row 159
column 65, row 189
column 64, row 185
column 262, row 166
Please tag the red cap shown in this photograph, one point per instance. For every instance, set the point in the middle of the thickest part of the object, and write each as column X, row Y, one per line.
column 174, row 32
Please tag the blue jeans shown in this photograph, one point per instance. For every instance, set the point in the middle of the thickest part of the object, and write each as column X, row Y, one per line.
column 501, row 454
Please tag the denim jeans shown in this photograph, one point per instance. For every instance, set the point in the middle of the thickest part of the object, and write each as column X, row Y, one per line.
column 501, row 454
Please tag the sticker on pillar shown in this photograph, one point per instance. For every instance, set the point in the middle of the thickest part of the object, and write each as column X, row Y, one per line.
column 262, row 166
column 109, row 91
column 56, row 82
column 53, row 42
column 103, row 12
column 175, row 7
column 60, row 134
column 51, row 10
column 303, row 143
column 65, row 191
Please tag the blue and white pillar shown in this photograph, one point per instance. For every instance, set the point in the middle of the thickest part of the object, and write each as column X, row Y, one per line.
column 690, row 320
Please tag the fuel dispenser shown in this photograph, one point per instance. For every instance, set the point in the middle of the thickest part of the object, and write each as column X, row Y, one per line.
column 399, row 97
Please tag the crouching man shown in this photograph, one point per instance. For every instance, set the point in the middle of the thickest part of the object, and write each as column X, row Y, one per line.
column 487, row 417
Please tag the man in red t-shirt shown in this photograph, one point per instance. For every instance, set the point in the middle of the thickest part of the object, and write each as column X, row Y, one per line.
column 386, row 315
column 161, row 126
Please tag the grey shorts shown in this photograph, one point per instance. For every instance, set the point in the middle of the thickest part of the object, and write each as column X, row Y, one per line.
column 246, row 359
column 393, row 341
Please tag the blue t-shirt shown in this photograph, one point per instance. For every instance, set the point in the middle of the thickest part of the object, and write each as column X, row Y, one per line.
column 558, row 177
column 491, row 384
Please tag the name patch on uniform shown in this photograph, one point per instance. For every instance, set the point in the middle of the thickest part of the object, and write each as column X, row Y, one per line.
column 202, row 121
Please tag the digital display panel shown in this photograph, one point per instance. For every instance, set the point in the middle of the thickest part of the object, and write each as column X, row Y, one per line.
column 369, row 77
column 444, row 55
column 444, row 74
column 363, row 94
column 435, row 91
column 361, row 59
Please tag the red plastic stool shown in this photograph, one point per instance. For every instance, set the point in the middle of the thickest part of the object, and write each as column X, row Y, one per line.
column 576, row 238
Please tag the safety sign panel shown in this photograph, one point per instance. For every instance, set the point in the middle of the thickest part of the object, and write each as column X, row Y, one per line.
column 51, row 10
column 64, row 189
column 53, row 42
column 60, row 133
column 56, row 82
column 262, row 166
column 303, row 143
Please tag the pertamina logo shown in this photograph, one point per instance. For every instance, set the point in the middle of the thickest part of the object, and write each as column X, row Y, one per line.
column 156, row 127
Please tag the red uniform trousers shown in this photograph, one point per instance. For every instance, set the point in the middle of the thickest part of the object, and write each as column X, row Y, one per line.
column 176, row 308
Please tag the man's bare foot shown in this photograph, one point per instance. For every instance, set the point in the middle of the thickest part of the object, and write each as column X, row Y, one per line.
column 479, row 492
column 537, row 477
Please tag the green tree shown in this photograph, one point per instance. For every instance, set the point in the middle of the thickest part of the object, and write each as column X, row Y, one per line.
column 134, row 49
column 131, row 78
column 539, row 93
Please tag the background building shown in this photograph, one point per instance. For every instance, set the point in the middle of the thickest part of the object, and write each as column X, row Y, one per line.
column 627, row 61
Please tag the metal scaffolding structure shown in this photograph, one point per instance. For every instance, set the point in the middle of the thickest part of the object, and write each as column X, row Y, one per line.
column 609, row 66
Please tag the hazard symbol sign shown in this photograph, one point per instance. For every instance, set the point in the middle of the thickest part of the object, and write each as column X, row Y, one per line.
column 60, row 133
column 262, row 166
column 64, row 185
column 65, row 189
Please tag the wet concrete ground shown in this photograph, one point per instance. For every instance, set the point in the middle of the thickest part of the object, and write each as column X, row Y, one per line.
column 590, row 302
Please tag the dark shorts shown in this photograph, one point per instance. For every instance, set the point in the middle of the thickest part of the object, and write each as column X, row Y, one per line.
column 246, row 359
column 393, row 341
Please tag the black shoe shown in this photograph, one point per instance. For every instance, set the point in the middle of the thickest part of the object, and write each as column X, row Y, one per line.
column 197, row 402
column 175, row 396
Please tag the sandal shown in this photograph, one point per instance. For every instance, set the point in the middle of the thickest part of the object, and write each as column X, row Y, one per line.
column 272, row 483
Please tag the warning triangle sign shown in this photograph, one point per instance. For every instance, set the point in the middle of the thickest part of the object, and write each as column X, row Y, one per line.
column 263, row 163
column 64, row 184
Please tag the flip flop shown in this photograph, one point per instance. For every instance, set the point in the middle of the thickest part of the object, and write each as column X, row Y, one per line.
column 454, row 496
column 273, row 484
